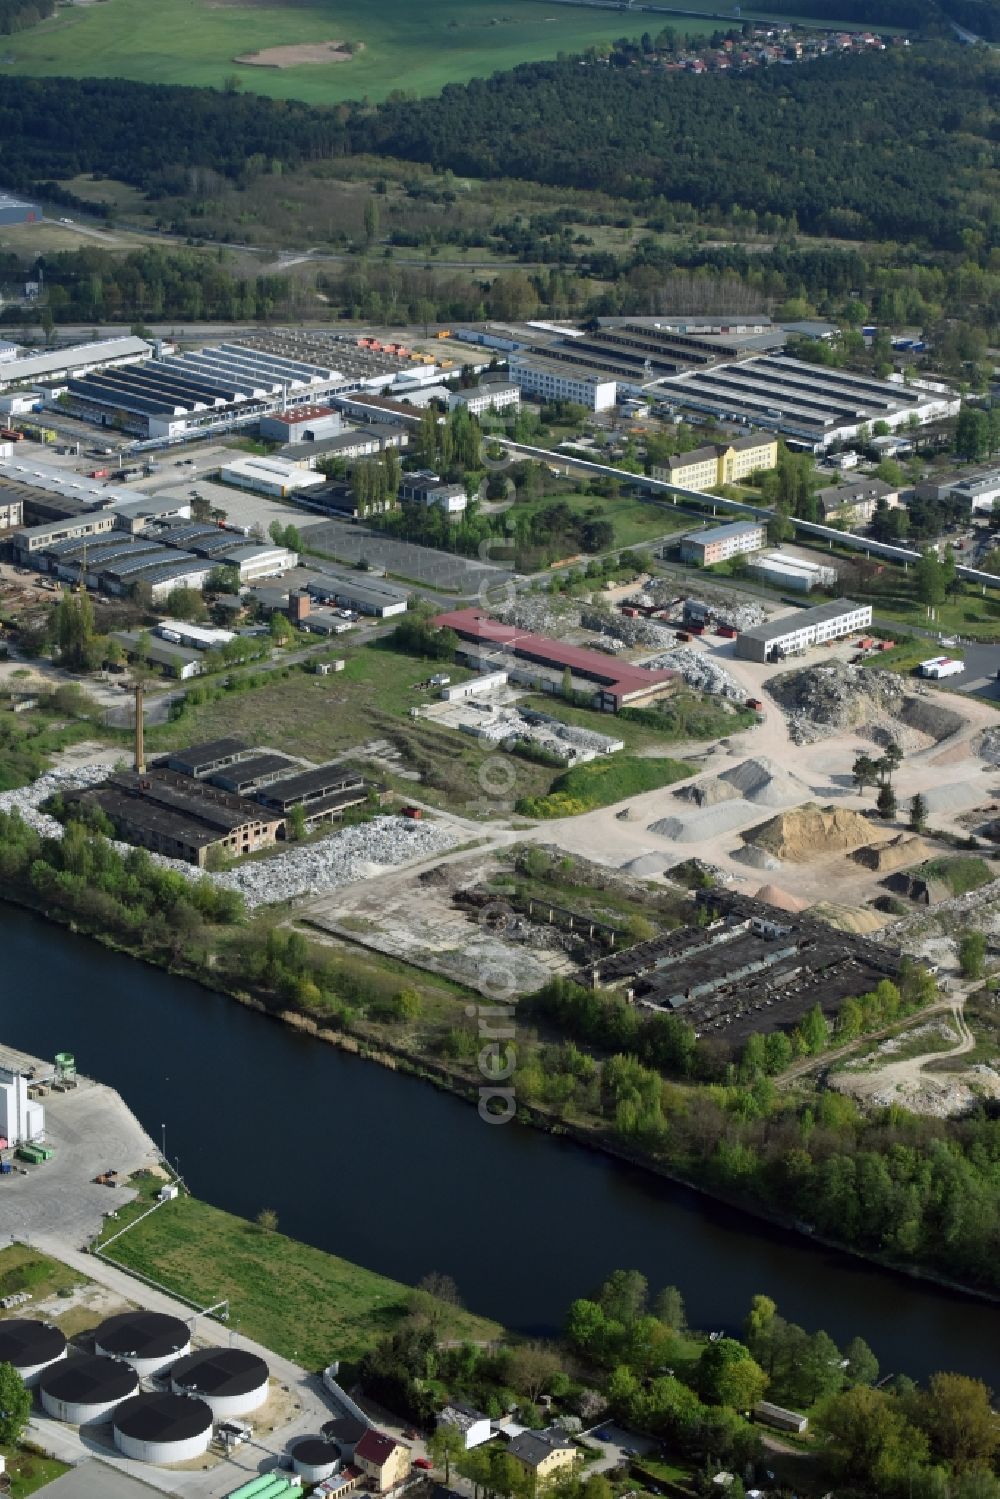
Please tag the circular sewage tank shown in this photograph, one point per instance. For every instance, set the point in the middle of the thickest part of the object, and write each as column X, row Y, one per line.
column 31, row 1347
column 231, row 1381
column 314, row 1459
column 346, row 1432
column 85, row 1390
column 163, row 1428
column 149, row 1341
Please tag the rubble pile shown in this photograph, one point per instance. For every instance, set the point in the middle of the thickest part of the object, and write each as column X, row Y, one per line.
column 824, row 700
column 351, row 854
column 542, row 614
column 741, row 613
column 699, row 670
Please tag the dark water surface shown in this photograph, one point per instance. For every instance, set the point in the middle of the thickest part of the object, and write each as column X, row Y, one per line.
column 384, row 1170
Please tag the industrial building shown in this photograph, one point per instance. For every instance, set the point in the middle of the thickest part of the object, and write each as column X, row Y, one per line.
column 426, row 488
column 542, row 662
column 811, row 405
column 750, row 968
column 320, row 793
column 149, row 1341
column 162, row 1429
column 180, row 817
column 17, row 211
column 719, row 543
column 275, row 477
column 546, row 380
column 231, row 1381
column 205, row 390
column 11, row 512
column 719, row 462
column 375, row 410
column 492, row 395
column 31, row 1347
column 779, row 638
column 178, row 661
column 84, row 1391
column 301, row 424
column 781, row 571
column 22, row 1119
column 350, row 445
column 56, row 365
column 360, row 591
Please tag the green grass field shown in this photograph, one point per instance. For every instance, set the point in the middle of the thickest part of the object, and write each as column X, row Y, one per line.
column 408, row 46
column 306, row 1304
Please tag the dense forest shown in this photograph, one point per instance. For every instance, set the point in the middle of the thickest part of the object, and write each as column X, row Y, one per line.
column 832, row 144
column 829, row 146
column 18, row 15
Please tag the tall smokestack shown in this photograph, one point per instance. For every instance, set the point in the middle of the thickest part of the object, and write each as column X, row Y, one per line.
column 140, row 753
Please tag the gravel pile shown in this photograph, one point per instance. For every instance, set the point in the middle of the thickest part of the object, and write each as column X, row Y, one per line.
column 766, row 784
column 699, row 671
column 704, row 824
column 824, row 700
column 757, row 858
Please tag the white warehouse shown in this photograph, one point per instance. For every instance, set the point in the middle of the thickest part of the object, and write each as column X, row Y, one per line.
column 796, row 632
column 274, row 477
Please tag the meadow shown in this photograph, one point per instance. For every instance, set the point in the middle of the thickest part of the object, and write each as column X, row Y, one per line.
column 419, row 48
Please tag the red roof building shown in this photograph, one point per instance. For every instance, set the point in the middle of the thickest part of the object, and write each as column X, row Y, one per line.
column 619, row 683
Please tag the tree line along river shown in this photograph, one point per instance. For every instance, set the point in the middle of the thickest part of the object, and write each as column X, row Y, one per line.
column 387, row 1171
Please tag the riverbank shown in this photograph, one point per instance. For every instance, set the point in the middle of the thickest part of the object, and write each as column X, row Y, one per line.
column 308, row 1305
column 460, row 1079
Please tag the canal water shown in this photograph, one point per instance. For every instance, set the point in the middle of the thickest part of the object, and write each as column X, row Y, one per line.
column 386, row 1171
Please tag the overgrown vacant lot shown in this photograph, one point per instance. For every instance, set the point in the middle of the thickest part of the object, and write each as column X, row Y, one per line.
column 405, row 45
column 300, row 1301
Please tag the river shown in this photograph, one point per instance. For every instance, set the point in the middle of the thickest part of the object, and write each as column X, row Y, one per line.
column 385, row 1170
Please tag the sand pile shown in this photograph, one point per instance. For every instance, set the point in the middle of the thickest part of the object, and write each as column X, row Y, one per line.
column 773, row 895
column 809, row 832
column 861, row 920
column 905, row 848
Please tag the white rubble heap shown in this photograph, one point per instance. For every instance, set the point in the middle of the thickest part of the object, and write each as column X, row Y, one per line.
column 351, row 854
column 699, row 671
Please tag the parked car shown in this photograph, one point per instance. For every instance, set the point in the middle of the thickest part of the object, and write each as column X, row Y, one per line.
column 423, row 1462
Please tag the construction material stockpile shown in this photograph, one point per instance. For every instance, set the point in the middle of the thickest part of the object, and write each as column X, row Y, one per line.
column 806, row 833
column 824, row 700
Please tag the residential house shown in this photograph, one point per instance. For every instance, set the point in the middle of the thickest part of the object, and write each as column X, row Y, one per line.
column 543, row 1454
column 473, row 1425
column 382, row 1459
column 856, row 501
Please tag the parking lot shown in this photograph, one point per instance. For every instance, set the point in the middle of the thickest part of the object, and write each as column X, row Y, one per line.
column 350, row 543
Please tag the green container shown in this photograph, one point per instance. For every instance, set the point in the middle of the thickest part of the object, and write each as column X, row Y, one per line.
column 255, row 1487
